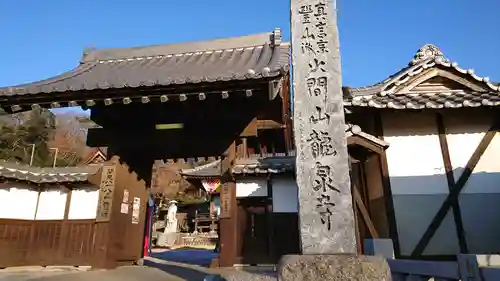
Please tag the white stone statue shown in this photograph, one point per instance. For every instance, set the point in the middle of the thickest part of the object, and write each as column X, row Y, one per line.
column 171, row 225
column 169, row 235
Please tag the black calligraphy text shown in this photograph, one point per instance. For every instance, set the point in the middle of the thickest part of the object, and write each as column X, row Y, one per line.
column 323, row 207
column 321, row 144
column 319, row 116
column 323, row 178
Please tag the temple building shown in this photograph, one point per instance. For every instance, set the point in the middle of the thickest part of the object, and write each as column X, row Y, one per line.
column 421, row 142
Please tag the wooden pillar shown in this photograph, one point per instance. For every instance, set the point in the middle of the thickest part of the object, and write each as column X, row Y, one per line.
column 103, row 257
column 386, row 183
column 375, row 195
column 228, row 210
column 242, row 148
column 269, row 217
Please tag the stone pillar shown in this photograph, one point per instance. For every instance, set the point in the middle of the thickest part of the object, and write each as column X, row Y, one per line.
column 326, row 215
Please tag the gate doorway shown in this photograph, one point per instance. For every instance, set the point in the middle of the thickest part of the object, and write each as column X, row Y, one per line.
column 253, row 242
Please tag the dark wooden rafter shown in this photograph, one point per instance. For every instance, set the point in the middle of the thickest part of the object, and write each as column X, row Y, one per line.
column 457, row 215
column 357, row 140
column 455, row 191
column 386, row 183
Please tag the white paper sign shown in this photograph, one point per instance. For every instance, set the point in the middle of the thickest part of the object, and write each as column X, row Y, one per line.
column 136, row 210
column 124, row 208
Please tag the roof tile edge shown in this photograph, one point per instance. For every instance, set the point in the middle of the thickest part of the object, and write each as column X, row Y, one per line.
column 248, row 41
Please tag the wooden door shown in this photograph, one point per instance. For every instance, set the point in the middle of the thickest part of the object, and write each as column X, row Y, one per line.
column 253, row 232
column 130, row 217
column 364, row 224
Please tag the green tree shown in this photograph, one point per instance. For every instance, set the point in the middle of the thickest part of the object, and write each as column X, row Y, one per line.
column 35, row 128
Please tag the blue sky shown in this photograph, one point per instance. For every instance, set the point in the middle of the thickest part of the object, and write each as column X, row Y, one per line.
column 40, row 39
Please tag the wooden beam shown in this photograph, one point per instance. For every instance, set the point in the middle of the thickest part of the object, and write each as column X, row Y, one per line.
column 457, row 214
column 364, row 212
column 251, row 129
column 386, row 182
column 455, row 192
column 68, row 201
column 241, row 148
column 357, row 140
column 266, row 124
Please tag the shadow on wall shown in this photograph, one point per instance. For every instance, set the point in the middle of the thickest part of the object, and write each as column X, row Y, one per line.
column 417, row 200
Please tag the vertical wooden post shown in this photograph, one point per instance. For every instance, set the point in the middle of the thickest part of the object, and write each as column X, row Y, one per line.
column 386, row 183
column 103, row 252
column 69, row 194
column 457, row 214
column 65, row 226
column 326, row 216
column 269, row 219
column 228, row 210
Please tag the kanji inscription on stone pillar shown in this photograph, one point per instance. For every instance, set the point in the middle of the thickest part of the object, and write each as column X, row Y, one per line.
column 327, row 223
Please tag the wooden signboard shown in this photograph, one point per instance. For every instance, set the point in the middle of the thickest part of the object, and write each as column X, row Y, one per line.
column 225, row 201
column 106, row 190
column 227, row 185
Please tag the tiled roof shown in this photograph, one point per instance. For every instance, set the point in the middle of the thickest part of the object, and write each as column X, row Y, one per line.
column 269, row 165
column 239, row 58
column 46, row 175
column 454, row 99
column 384, row 94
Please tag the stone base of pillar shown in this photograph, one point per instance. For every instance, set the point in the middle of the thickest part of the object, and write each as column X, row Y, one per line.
column 315, row 268
column 339, row 267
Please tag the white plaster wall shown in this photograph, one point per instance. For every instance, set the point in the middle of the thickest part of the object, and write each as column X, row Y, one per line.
column 419, row 184
column 285, row 195
column 479, row 200
column 18, row 201
column 84, row 203
column 251, row 187
column 51, row 204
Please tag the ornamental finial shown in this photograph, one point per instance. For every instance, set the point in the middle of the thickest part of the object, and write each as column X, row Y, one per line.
column 428, row 51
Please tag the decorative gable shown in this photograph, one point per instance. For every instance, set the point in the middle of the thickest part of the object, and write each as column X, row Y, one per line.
column 96, row 156
column 439, row 84
column 429, row 81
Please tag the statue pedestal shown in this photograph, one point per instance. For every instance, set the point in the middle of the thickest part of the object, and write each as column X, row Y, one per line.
column 169, row 235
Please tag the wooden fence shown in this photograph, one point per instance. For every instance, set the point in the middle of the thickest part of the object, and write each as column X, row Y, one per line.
column 466, row 268
column 48, row 242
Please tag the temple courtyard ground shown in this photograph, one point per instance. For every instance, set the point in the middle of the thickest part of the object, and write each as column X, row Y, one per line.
column 176, row 265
